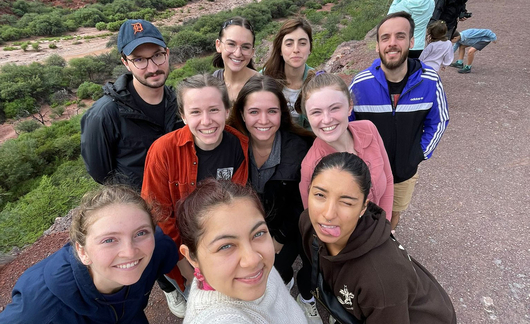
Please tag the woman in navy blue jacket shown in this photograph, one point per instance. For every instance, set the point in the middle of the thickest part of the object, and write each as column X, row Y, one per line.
column 105, row 274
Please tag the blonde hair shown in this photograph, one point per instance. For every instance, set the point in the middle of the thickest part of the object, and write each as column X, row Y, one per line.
column 321, row 80
column 95, row 200
column 200, row 81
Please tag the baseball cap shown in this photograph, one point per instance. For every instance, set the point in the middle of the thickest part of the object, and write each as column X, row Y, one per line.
column 134, row 33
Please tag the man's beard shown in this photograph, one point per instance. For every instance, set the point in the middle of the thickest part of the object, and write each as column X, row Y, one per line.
column 146, row 83
column 394, row 64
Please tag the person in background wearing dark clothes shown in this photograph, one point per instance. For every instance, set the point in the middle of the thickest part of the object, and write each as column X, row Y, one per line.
column 277, row 148
column 450, row 11
column 366, row 269
column 105, row 274
column 119, row 128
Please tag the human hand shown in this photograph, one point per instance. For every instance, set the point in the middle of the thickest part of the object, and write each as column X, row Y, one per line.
column 277, row 246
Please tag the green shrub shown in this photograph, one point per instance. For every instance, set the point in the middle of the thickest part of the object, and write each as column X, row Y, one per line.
column 35, row 46
column 27, row 126
column 193, row 66
column 313, row 5
column 10, row 48
column 24, row 222
column 314, row 17
column 11, row 33
column 89, row 90
column 20, row 107
column 24, row 46
column 101, row 25
column 58, row 111
column 115, row 25
column 52, row 46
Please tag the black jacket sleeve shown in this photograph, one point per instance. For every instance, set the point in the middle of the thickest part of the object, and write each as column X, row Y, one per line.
column 98, row 139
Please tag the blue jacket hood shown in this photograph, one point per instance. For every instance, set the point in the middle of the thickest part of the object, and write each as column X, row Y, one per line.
column 59, row 289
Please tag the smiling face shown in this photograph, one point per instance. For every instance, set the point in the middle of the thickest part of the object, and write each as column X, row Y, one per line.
column 235, row 254
column 335, row 204
column 205, row 114
column 262, row 116
column 119, row 245
column 241, row 38
column 153, row 76
column 328, row 110
column 394, row 42
column 296, row 48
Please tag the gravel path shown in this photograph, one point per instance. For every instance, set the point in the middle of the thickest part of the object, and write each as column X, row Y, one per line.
column 468, row 221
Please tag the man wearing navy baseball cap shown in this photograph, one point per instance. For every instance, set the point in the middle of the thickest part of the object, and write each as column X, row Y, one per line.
column 117, row 131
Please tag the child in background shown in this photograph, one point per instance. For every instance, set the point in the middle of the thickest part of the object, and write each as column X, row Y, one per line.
column 475, row 38
column 439, row 52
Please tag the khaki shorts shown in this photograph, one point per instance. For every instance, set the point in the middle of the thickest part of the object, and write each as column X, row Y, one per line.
column 403, row 193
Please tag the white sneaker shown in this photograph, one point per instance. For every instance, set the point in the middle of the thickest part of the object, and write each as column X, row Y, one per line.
column 310, row 310
column 176, row 303
column 290, row 284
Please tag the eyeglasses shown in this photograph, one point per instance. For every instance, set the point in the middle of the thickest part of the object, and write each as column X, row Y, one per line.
column 230, row 47
column 142, row 62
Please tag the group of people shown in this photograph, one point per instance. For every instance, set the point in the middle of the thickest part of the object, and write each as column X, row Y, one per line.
column 242, row 172
column 435, row 32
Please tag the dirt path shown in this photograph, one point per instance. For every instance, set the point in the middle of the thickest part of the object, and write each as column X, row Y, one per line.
column 468, row 221
column 79, row 47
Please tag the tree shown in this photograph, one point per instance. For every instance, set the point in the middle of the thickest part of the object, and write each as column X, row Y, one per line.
column 88, row 16
column 55, row 60
column 47, row 25
column 89, row 90
column 26, row 126
column 85, row 69
column 20, row 107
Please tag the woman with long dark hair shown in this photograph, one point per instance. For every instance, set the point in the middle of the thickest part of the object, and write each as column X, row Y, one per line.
column 235, row 49
column 276, row 150
column 368, row 275
column 290, row 50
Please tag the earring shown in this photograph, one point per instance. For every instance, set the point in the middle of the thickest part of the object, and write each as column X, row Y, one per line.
column 202, row 281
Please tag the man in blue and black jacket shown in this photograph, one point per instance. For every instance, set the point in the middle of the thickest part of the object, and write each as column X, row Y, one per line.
column 405, row 99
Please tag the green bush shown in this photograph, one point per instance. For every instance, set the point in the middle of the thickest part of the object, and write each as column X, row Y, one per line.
column 101, row 25
column 58, row 111
column 20, row 107
column 24, row 222
column 27, row 126
column 24, row 46
column 10, row 48
column 88, row 16
column 313, row 5
column 314, row 17
column 47, row 25
column 35, row 46
column 52, row 46
column 89, row 90
column 193, row 66
column 55, row 60
column 115, row 25
column 11, row 33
